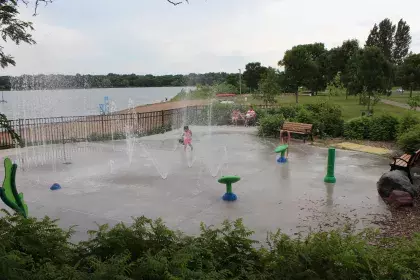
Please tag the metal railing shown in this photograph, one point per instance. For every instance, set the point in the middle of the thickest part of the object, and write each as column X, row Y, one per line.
column 53, row 130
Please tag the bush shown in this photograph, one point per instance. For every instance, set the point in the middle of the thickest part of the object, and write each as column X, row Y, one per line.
column 327, row 119
column 407, row 122
column 38, row 249
column 270, row 125
column 409, row 141
column 383, row 128
column 357, row 129
column 304, row 116
column 414, row 102
column 289, row 112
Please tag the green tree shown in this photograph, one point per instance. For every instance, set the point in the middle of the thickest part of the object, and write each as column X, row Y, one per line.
column 338, row 60
column 233, row 79
column 374, row 73
column 409, row 73
column 305, row 66
column 12, row 29
column 386, row 38
column 269, row 86
column 402, row 41
column 393, row 41
column 17, row 31
column 373, row 38
column 336, row 87
column 253, row 74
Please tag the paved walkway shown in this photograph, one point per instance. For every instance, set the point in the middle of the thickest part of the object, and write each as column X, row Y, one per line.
column 398, row 104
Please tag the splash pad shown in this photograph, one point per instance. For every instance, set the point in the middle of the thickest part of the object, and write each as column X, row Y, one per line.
column 111, row 181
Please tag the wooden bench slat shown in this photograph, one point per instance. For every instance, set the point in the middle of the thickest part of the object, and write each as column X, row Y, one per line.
column 406, row 157
column 405, row 162
column 298, row 128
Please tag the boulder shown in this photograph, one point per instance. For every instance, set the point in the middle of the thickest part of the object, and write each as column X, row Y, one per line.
column 400, row 198
column 396, row 180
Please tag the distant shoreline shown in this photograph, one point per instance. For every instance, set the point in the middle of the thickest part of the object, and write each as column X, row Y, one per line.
column 92, row 88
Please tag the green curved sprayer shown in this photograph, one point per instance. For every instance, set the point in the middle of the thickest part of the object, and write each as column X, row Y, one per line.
column 9, row 193
column 281, row 148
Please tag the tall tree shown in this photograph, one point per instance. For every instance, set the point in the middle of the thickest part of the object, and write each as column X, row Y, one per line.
column 393, row 41
column 253, row 74
column 409, row 73
column 373, row 38
column 269, row 86
column 349, row 49
column 386, row 38
column 374, row 72
column 402, row 41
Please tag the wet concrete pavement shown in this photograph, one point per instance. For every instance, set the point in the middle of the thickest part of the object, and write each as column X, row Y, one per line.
column 111, row 182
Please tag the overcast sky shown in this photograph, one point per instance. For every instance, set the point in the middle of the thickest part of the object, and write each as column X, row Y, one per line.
column 152, row 36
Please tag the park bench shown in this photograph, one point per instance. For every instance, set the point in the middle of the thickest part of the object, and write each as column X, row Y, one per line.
column 298, row 128
column 405, row 163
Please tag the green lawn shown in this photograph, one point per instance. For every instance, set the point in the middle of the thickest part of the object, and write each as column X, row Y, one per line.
column 350, row 107
column 403, row 98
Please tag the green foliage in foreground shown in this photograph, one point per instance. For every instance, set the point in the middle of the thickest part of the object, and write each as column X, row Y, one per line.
column 39, row 249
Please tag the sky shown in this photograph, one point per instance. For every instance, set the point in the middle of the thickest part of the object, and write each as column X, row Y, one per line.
column 155, row 37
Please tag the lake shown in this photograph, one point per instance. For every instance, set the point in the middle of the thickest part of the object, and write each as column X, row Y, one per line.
column 78, row 102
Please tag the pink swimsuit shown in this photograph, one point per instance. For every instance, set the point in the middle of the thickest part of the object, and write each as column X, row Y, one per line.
column 187, row 137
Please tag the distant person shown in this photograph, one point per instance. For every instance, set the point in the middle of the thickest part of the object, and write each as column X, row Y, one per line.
column 166, row 99
column 250, row 115
column 187, row 135
column 236, row 115
column 285, row 140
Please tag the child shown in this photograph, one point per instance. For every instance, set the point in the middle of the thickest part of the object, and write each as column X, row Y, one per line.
column 187, row 138
column 235, row 116
column 285, row 139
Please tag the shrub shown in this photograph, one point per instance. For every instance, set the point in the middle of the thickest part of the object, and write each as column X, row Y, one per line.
column 410, row 141
column 414, row 102
column 383, row 128
column 147, row 249
column 357, row 129
column 270, row 125
column 304, row 116
column 327, row 119
column 407, row 122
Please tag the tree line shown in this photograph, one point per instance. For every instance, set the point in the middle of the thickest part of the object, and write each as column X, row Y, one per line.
column 383, row 62
column 43, row 82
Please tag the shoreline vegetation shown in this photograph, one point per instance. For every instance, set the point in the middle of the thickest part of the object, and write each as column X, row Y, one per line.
column 58, row 81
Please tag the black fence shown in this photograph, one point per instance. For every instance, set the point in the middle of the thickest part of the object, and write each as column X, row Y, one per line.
column 39, row 131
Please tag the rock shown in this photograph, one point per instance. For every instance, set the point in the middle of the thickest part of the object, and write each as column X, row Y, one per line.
column 400, row 198
column 396, row 180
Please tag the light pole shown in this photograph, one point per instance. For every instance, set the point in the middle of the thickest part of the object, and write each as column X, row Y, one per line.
column 240, row 82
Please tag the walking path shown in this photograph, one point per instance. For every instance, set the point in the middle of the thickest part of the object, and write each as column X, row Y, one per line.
column 398, row 104
column 165, row 106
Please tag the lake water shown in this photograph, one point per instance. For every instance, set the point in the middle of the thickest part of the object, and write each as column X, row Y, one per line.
column 78, row 102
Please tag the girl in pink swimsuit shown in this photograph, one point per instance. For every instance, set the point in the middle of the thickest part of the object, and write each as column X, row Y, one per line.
column 187, row 138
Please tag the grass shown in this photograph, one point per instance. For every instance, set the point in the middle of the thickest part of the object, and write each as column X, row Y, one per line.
column 402, row 98
column 350, row 107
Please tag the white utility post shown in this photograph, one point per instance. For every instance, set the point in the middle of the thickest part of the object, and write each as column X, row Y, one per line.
column 240, row 82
